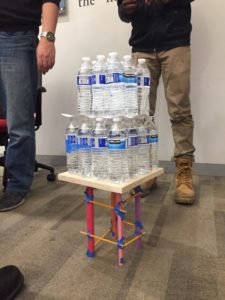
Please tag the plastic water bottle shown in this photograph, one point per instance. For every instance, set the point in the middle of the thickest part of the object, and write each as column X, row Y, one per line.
column 143, row 149
column 154, row 142
column 71, row 147
column 84, row 153
column 84, row 87
column 114, row 86
column 143, row 75
column 98, row 86
column 132, row 147
column 130, row 87
column 117, row 146
column 99, row 150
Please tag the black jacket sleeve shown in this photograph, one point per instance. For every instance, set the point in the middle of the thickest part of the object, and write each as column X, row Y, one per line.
column 179, row 2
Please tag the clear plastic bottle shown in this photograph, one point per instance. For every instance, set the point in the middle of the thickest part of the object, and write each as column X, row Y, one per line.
column 130, row 87
column 99, row 150
column 143, row 89
column 114, row 87
column 117, row 146
column 143, row 148
column 132, row 147
column 98, row 86
column 84, row 87
column 154, row 142
column 84, row 153
column 71, row 146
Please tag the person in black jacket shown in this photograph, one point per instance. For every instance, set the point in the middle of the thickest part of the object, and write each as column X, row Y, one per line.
column 161, row 32
column 21, row 57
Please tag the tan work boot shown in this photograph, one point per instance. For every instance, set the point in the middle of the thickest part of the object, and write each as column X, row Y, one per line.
column 184, row 185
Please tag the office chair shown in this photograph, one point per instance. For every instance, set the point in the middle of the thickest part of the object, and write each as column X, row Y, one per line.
column 4, row 139
column 3, row 142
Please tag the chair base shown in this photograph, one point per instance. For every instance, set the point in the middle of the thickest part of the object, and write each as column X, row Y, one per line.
column 5, row 176
column 51, row 176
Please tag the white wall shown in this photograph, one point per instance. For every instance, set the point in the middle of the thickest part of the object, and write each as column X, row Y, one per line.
column 93, row 30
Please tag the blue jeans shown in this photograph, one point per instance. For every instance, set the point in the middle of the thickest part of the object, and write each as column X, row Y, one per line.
column 18, row 88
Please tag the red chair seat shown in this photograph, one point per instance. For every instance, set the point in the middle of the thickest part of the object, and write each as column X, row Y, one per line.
column 3, row 126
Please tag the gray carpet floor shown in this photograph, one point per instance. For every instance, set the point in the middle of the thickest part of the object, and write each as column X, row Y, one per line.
column 183, row 253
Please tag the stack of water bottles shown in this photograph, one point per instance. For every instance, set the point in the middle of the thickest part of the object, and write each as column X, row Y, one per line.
column 113, row 138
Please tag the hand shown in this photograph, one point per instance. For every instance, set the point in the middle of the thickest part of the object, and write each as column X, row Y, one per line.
column 130, row 6
column 45, row 55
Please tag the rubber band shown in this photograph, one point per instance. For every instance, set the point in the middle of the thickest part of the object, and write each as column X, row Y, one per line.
column 137, row 232
column 119, row 212
column 88, row 197
column 90, row 253
column 120, row 243
column 138, row 189
column 139, row 224
column 121, row 261
column 88, row 236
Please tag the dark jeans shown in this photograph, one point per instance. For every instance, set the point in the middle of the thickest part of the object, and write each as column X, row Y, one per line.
column 18, row 87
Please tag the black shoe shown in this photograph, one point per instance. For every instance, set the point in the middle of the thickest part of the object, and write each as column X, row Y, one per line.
column 11, row 282
column 11, row 200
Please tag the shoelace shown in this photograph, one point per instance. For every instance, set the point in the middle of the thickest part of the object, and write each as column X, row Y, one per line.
column 183, row 175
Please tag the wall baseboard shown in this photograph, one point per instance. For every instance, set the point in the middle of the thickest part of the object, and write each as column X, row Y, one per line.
column 198, row 168
column 169, row 166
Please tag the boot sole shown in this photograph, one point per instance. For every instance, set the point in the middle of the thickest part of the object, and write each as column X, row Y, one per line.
column 187, row 201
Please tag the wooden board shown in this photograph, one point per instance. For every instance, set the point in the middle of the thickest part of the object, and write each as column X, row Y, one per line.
column 119, row 188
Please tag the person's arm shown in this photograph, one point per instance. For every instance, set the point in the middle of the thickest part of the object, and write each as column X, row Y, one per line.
column 46, row 48
column 127, row 9
column 179, row 2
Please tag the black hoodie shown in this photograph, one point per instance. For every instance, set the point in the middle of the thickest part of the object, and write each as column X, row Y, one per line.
column 20, row 15
column 159, row 27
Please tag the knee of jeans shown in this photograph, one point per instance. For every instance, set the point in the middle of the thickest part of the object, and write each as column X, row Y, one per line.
column 181, row 118
column 22, row 135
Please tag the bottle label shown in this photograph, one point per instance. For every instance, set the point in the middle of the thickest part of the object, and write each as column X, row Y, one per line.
column 84, row 80
column 114, row 78
column 154, row 139
column 74, row 147
column 70, row 142
column 132, row 141
column 83, row 142
column 99, row 142
column 117, row 144
column 143, row 81
column 143, row 139
column 130, row 79
column 98, row 79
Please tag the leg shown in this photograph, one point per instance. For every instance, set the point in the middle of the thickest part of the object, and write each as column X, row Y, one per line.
column 138, row 224
column 176, row 77
column 113, row 217
column 90, row 221
column 18, row 85
column 120, row 231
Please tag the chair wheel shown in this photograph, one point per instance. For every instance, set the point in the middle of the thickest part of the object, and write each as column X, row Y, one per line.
column 51, row 177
